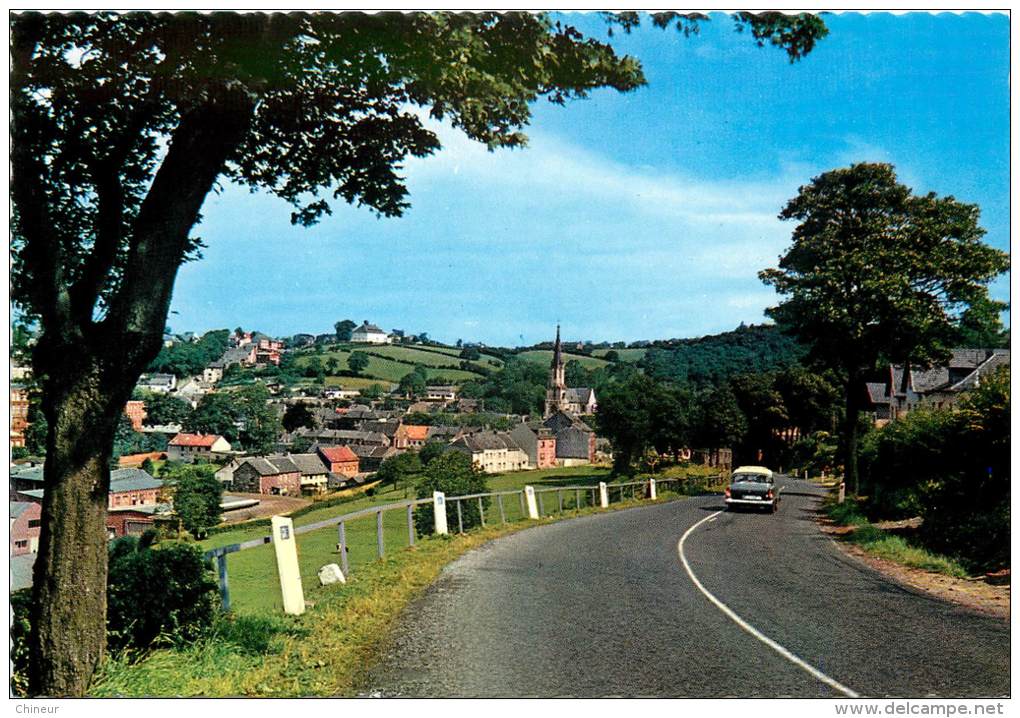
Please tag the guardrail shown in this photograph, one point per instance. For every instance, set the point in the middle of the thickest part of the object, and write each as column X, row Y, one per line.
column 580, row 495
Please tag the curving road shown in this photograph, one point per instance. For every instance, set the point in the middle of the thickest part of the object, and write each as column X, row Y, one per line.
column 604, row 606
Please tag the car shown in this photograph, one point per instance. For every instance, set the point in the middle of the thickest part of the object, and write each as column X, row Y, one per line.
column 753, row 487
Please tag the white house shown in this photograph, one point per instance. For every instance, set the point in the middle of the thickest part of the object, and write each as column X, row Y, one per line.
column 188, row 447
column 369, row 334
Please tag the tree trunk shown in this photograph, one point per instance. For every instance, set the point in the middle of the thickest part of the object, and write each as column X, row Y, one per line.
column 69, row 634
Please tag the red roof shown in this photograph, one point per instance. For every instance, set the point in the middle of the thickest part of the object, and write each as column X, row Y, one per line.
column 337, row 454
column 413, row 432
column 195, row 440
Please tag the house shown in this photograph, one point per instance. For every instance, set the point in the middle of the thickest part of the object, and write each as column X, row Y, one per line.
column 132, row 520
column 441, row 393
column 188, row 447
column 557, row 396
column 19, row 414
column 314, row 472
column 244, row 355
column 302, row 340
column 370, row 457
column 538, row 442
column 26, row 518
column 369, row 334
column 410, row 436
column 128, row 487
column 214, row 372
column 581, row 401
column 276, row 475
column 336, row 392
column 492, row 451
column 135, row 411
column 575, row 441
column 157, row 383
column 339, row 460
column 902, row 389
column 267, row 350
column 225, row 474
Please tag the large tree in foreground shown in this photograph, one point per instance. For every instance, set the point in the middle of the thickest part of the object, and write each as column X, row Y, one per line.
column 877, row 273
column 122, row 124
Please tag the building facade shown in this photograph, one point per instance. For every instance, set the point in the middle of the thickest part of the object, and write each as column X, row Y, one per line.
column 558, row 397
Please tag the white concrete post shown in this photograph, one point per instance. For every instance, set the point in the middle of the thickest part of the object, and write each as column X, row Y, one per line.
column 603, row 495
column 439, row 511
column 842, row 492
column 651, row 489
column 529, row 496
column 287, row 565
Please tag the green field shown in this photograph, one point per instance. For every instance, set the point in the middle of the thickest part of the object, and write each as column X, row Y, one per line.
column 544, row 357
column 627, row 355
column 252, row 570
column 384, row 369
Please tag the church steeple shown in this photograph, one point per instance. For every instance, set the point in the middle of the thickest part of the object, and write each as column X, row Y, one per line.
column 556, row 391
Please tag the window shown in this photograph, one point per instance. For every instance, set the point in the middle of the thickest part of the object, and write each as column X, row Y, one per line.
column 21, row 544
column 34, row 523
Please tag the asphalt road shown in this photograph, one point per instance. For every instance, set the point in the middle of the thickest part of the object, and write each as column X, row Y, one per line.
column 603, row 606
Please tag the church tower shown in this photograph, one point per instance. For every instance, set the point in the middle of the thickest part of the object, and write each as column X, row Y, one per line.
column 556, row 390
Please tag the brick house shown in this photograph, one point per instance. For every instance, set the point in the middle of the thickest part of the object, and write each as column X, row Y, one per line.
column 410, row 436
column 133, row 487
column 276, row 475
column 339, row 460
column 25, row 523
column 314, row 472
column 19, row 414
column 130, row 521
column 188, row 447
column 538, row 442
column 575, row 441
column 135, row 411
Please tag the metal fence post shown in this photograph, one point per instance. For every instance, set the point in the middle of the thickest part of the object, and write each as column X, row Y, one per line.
column 577, row 499
column 559, row 497
column 521, row 497
column 342, row 537
column 221, row 566
column 410, row 524
column 460, row 519
column 481, row 511
column 541, row 508
column 379, row 532
column 502, row 513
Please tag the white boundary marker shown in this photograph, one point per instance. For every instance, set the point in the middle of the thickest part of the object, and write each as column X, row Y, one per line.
column 791, row 657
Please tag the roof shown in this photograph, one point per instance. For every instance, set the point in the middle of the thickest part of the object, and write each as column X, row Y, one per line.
column 158, row 379
column 20, row 507
column 752, row 470
column 337, row 454
column 271, row 465
column 372, row 452
column 487, row 441
column 29, row 473
column 580, row 395
column 132, row 480
column 206, row 440
column 21, row 570
column 413, row 432
column 366, row 327
column 309, row 464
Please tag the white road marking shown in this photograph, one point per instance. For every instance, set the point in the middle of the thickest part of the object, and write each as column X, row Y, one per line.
column 791, row 657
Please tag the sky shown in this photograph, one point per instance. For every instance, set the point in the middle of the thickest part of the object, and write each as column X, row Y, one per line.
column 640, row 215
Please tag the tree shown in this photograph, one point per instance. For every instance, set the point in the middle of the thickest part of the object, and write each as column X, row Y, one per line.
column 470, row 353
column 358, row 362
column 162, row 409
column 720, row 422
column 431, row 450
column 122, row 124
column 216, row 413
column 261, row 427
column 197, row 497
column 454, row 474
column 298, row 415
column 876, row 272
column 399, row 469
column 981, row 325
column 344, row 329
column 624, row 419
column 412, row 384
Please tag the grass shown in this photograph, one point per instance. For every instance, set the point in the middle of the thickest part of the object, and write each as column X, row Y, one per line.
column 626, row 355
column 544, row 357
column 889, row 546
column 325, row 652
column 380, row 368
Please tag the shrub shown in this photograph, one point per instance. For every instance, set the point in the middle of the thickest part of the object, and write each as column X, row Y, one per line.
column 157, row 594
column 454, row 475
column 253, row 634
column 21, row 602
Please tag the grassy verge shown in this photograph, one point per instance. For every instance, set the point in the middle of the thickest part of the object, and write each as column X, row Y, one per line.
column 325, row 652
column 888, row 546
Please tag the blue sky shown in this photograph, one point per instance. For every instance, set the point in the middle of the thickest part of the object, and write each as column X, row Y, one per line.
column 630, row 216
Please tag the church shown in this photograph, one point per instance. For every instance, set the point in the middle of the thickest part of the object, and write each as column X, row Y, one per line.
column 558, row 397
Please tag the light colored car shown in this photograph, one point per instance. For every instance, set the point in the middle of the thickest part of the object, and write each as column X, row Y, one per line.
column 753, row 487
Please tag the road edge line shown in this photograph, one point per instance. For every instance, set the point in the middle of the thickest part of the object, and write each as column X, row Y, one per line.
column 747, row 627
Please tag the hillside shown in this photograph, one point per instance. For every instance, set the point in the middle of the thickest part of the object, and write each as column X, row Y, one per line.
column 390, row 362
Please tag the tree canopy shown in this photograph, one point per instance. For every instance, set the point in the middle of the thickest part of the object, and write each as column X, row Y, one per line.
column 876, row 272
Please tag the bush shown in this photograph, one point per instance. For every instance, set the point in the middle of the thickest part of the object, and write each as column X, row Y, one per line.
column 21, row 602
column 157, row 594
column 454, row 475
column 253, row 634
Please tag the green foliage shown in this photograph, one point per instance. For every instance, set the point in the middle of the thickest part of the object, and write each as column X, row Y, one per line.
column 216, row 413
column 344, row 329
column 37, row 430
column 401, row 469
column 357, row 362
column 221, row 412
column 471, row 354
column 952, row 467
column 431, row 450
column 454, row 475
column 128, row 441
column 21, row 627
column 418, row 418
column 297, row 416
column 162, row 409
column 184, row 359
column 720, row 422
column 197, row 497
column 980, row 325
column 19, row 452
column 413, row 384
column 712, row 360
column 158, row 595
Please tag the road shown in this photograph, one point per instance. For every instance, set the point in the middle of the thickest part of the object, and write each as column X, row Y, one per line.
column 602, row 605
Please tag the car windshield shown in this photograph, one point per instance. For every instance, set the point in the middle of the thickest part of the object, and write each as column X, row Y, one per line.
column 753, row 478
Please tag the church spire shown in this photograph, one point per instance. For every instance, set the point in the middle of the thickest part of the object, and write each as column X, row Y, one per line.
column 557, row 350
